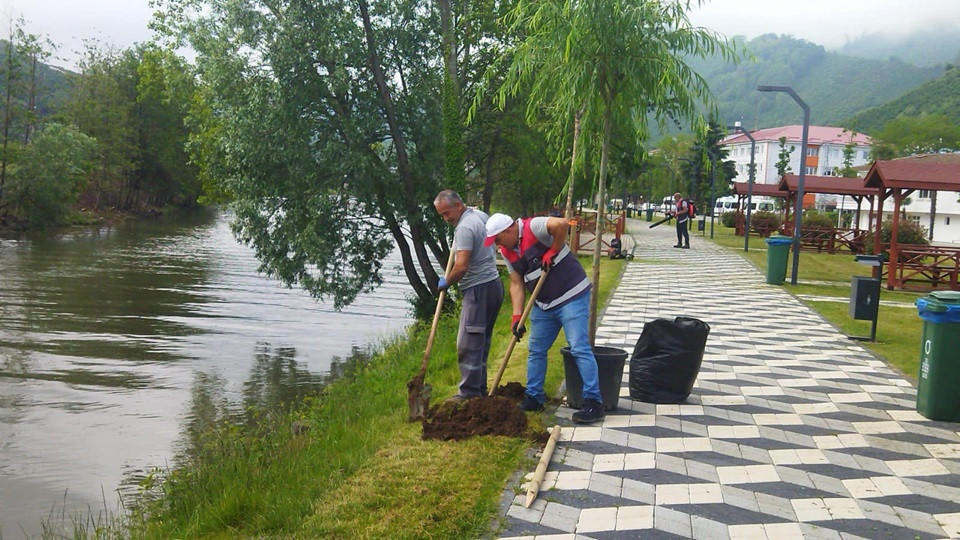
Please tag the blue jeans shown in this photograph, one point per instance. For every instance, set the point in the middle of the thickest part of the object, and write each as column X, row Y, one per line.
column 574, row 318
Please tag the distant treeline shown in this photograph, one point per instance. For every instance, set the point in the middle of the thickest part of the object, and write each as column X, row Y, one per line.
column 108, row 139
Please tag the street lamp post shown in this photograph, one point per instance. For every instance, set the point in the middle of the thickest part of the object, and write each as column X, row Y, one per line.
column 713, row 178
column 753, row 149
column 803, row 162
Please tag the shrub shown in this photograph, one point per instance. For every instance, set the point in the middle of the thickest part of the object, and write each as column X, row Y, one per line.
column 908, row 232
column 764, row 222
column 813, row 218
column 728, row 219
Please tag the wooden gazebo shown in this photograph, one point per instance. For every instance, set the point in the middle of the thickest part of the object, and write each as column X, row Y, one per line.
column 914, row 266
column 740, row 189
column 830, row 239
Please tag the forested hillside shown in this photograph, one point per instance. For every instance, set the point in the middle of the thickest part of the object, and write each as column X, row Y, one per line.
column 835, row 86
column 939, row 96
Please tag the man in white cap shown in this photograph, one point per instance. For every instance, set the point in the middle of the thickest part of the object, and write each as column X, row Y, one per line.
column 530, row 247
column 475, row 272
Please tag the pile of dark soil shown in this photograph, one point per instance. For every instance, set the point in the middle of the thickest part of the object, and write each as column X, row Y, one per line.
column 513, row 391
column 497, row 415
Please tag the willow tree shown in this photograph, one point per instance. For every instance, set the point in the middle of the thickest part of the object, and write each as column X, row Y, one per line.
column 321, row 121
column 612, row 61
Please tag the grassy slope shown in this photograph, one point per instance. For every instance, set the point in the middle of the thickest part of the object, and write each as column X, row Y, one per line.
column 898, row 329
column 360, row 471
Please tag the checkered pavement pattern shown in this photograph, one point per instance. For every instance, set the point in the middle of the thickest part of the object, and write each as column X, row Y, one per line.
column 792, row 430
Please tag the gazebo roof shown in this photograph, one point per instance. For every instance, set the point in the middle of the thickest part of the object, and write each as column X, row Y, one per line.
column 836, row 185
column 935, row 172
column 760, row 190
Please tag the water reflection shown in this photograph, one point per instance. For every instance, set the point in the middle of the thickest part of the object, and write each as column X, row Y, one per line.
column 116, row 343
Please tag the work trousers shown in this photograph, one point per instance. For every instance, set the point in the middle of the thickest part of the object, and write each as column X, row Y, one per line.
column 478, row 314
column 573, row 317
column 683, row 233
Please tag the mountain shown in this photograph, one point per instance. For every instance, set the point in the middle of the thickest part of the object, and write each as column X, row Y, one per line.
column 833, row 85
column 939, row 96
column 52, row 83
column 927, row 47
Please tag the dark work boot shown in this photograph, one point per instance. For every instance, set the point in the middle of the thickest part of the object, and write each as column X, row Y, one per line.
column 590, row 413
column 530, row 405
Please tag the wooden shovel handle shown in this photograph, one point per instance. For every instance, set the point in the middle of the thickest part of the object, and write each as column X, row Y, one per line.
column 436, row 318
column 513, row 342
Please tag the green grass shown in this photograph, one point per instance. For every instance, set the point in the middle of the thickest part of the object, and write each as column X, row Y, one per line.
column 813, row 266
column 898, row 329
column 360, row 470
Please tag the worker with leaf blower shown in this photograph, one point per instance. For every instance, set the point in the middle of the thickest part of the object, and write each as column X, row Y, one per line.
column 475, row 272
column 530, row 247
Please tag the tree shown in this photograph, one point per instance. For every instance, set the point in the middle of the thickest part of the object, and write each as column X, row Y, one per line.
column 49, row 174
column 847, row 170
column 606, row 57
column 706, row 144
column 783, row 158
column 323, row 122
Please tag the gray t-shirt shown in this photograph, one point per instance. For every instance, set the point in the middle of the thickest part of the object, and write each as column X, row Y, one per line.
column 469, row 236
column 539, row 227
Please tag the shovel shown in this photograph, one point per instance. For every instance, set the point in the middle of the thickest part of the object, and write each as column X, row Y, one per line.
column 513, row 342
column 418, row 394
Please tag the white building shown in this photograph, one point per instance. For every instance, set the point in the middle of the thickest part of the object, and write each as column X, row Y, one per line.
column 825, row 147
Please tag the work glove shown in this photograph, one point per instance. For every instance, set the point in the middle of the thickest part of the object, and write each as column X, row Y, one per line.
column 442, row 285
column 547, row 259
column 518, row 329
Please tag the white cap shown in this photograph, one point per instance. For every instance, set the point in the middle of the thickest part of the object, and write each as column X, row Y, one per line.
column 496, row 224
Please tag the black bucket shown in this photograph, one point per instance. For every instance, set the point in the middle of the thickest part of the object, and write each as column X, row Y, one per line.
column 610, row 362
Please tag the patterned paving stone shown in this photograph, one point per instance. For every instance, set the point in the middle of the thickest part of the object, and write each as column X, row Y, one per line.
column 792, row 430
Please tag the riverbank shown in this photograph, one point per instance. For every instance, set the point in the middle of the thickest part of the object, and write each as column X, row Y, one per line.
column 107, row 217
column 347, row 463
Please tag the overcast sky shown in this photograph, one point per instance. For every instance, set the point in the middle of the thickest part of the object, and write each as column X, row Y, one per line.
column 827, row 22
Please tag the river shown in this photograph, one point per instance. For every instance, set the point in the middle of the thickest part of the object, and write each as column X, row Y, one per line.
column 115, row 342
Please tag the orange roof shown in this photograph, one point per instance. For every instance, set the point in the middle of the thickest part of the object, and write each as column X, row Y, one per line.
column 760, row 190
column 816, row 135
column 836, row 185
column 935, row 172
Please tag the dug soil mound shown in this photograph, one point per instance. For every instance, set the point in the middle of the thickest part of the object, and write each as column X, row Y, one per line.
column 512, row 390
column 478, row 416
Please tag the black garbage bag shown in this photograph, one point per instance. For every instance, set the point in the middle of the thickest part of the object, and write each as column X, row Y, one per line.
column 666, row 359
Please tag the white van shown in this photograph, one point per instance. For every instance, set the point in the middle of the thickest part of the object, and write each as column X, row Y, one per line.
column 725, row 204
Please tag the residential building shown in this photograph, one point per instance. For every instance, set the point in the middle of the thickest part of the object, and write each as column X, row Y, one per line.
column 825, row 147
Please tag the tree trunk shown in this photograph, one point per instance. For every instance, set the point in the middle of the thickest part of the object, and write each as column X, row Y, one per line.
column 573, row 163
column 7, row 114
column 417, row 232
column 933, row 212
column 601, row 211
column 488, row 172
column 454, row 154
column 31, row 102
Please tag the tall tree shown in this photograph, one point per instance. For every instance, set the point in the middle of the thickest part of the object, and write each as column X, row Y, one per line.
column 324, row 124
column 608, row 56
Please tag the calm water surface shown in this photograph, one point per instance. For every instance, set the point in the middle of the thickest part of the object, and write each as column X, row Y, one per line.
column 115, row 342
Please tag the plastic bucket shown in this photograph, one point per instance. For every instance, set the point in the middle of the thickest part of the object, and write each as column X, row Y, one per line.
column 610, row 363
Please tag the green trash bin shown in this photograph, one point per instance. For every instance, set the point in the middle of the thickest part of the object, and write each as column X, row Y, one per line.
column 778, row 248
column 650, row 212
column 937, row 396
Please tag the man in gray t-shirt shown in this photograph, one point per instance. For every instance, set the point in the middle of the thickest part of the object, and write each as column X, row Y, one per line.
column 475, row 271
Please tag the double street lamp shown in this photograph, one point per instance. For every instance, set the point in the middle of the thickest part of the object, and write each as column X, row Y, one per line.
column 753, row 148
column 803, row 162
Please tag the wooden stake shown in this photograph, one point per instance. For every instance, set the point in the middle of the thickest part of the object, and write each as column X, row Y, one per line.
column 533, row 488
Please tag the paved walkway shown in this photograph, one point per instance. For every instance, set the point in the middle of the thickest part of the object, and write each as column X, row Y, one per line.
column 792, row 430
